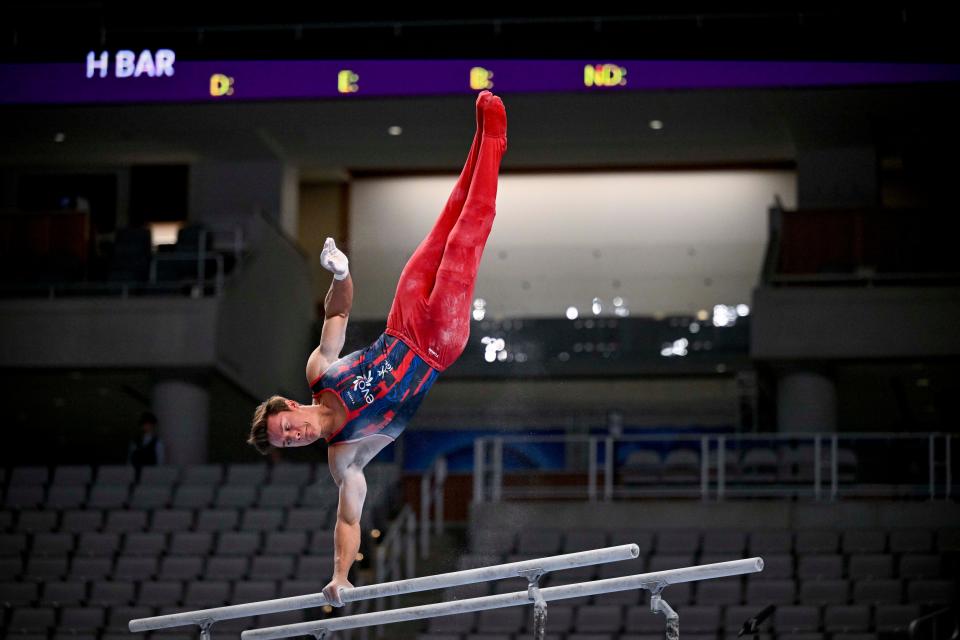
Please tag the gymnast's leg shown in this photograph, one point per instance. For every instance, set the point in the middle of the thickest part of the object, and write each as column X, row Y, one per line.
column 417, row 277
column 450, row 301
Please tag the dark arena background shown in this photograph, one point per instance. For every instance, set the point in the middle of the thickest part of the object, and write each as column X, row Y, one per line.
column 718, row 317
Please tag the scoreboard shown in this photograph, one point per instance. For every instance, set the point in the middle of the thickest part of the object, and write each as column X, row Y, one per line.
column 157, row 76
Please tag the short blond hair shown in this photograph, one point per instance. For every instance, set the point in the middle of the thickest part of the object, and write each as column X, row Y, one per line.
column 259, row 438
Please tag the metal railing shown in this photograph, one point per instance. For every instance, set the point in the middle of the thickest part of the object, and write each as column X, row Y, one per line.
column 396, row 554
column 819, row 466
column 432, row 485
column 198, row 283
column 942, row 624
column 223, row 240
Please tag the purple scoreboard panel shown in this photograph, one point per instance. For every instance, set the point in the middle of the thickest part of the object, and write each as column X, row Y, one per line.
column 156, row 76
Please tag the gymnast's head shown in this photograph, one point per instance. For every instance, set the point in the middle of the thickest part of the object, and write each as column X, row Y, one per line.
column 280, row 422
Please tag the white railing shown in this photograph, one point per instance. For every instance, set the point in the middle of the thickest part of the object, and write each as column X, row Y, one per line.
column 223, row 239
column 818, row 466
column 228, row 239
column 200, row 259
column 432, row 485
column 205, row 618
column 396, row 553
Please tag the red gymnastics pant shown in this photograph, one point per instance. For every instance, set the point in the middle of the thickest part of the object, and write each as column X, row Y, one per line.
column 432, row 307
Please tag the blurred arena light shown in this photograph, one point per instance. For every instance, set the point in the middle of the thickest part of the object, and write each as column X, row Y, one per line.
column 479, row 309
column 676, row 348
column 724, row 315
column 496, row 349
column 620, row 308
column 164, row 232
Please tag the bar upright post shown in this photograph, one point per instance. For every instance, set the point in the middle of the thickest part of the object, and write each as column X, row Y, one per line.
column 608, row 469
column 479, row 454
column 592, row 469
column 659, row 605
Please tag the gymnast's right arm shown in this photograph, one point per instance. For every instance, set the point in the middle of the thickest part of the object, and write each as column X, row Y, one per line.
column 337, row 306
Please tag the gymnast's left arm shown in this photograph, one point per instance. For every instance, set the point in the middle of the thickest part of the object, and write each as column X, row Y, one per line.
column 346, row 535
column 337, row 307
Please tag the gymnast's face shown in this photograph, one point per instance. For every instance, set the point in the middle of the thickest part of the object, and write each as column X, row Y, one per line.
column 297, row 427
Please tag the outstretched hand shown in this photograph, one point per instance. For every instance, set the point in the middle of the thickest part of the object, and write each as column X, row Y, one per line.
column 332, row 591
column 334, row 260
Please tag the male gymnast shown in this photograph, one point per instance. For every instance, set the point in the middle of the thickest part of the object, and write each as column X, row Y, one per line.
column 363, row 401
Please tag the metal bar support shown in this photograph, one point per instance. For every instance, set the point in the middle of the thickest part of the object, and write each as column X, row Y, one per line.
column 834, row 467
column 592, row 470
column 497, row 469
column 948, row 489
column 659, row 605
column 539, row 604
column 608, row 469
column 721, row 467
column 479, row 456
column 704, row 468
column 817, row 464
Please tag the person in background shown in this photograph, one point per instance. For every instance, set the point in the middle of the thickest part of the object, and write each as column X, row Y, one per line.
column 147, row 449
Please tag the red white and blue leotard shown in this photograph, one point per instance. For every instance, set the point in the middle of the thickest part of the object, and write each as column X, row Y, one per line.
column 381, row 387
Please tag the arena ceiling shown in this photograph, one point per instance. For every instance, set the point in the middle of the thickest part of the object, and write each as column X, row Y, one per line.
column 330, row 139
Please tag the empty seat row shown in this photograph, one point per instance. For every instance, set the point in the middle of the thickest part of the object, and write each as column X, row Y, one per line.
column 573, row 635
column 156, row 544
column 259, row 567
column 549, row 541
column 757, row 455
column 191, row 496
column 172, row 520
column 732, row 592
column 151, row 593
column 855, row 567
column 71, row 621
column 562, row 618
column 164, row 475
column 592, row 619
column 761, row 464
column 556, row 636
column 776, row 566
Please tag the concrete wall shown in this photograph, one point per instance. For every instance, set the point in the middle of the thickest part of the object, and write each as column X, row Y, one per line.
column 108, row 332
column 263, row 330
column 838, row 177
column 522, row 404
column 320, row 217
column 257, row 333
column 793, row 323
column 230, row 192
column 664, row 241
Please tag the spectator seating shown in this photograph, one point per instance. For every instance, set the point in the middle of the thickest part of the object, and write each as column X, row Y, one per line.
column 83, row 550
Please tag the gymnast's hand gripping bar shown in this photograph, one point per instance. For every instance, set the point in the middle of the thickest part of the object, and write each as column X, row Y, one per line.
column 654, row 582
column 205, row 617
